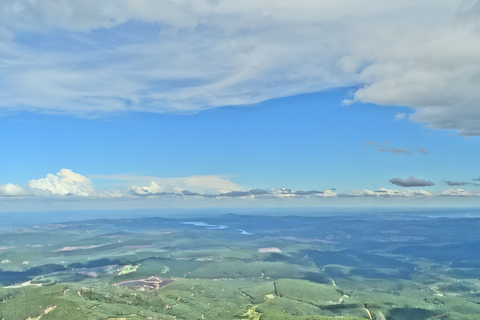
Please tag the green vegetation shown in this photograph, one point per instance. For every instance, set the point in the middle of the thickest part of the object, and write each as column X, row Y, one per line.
column 277, row 315
column 66, row 271
column 313, row 293
column 33, row 301
column 258, row 293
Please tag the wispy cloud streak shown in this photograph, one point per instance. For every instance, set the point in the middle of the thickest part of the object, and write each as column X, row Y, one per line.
column 92, row 57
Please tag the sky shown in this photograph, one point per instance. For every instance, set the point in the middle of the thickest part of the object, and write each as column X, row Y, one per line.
column 222, row 103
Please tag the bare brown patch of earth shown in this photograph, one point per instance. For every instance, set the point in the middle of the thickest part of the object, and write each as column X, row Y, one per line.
column 148, row 284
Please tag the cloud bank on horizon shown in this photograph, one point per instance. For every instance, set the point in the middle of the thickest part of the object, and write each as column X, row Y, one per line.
column 90, row 57
column 66, row 183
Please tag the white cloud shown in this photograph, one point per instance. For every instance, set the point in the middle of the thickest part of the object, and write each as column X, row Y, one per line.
column 288, row 193
column 200, row 183
column 211, row 182
column 459, row 193
column 329, row 194
column 65, row 182
column 431, row 67
column 153, row 188
column 417, row 193
column 190, row 56
column 384, row 192
column 157, row 191
column 364, row 192
column 12, row 190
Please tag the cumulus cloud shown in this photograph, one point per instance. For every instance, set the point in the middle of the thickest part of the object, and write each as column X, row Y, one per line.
column 199, row 183
column 455, row 183
column 460, row 183
column 155, row 190
column 458, row 193
column 158, row 191
column 399, row 116
column 360, row 193
column 417, row 193
column 152, row 189
column 307, row 193
column 235, row 194
column 64, row 182
column 12, row 190
column 249, row 193
column 411, row 182
column 89, row 57
column 389, row 193
column 329, row 193
column 386, row 191
column 288, row 193
column 259, row 191
column 377, row 193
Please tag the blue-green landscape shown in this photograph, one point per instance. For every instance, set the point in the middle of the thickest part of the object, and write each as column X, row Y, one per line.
column 384, row 265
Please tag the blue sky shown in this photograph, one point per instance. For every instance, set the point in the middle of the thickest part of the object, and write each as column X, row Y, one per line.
column 145, row 104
